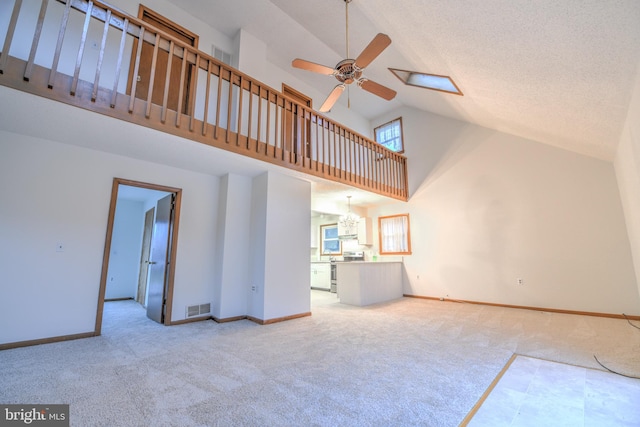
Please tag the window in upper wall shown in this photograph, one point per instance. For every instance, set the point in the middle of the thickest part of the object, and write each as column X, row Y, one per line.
column 395, row 235
column 330, row 244
column 390, row 135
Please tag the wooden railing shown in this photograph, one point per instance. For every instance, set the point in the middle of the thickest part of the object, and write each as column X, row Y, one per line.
column 80, row 52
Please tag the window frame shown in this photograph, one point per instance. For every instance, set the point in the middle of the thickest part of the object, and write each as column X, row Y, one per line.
column 401, row 136
column 406, row 235
column 323, row 252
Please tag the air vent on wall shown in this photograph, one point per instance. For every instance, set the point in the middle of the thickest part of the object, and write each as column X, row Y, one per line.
column 221, row 55
column 197, row 310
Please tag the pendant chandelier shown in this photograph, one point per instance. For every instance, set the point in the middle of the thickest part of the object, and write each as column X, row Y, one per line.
column 350, row 220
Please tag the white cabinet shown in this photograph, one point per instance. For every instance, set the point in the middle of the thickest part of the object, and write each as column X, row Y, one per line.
column 314, row 236
column 347, row 232
column 364, row 232
column 321, row 275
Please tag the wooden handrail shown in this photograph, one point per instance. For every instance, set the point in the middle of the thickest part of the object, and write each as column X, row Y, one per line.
column 226, row 108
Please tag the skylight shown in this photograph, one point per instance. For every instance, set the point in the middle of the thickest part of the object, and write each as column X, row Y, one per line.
column 427, row 81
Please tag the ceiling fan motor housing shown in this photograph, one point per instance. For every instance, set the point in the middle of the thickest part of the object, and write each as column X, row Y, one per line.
column 347, row 71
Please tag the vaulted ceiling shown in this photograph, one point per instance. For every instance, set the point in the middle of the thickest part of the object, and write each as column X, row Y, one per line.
column 558, row 72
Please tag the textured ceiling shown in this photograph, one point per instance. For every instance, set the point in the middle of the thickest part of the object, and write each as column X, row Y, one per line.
column 558, row 72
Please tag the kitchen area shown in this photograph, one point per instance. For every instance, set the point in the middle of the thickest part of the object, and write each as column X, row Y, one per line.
column 345, row 260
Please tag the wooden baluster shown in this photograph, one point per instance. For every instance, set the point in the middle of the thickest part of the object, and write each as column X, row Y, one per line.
column 317, row 142
column 194, row 91
column 183, row 72
column 324, row 147
column 259, row 127
column 358, row 160
column 136, row 69
column 392, row 170
column 152, row 79
column 218, row 102
column 239, row 124
column 266, row 146
column 206, row 101
column 249, row 123
column 385, row 187
column 229, row 105
column 354, row 153
column 36, row 39
column 9, row 37
column 83, row 41
column 277, row 128
column 335, row 149
column 123, row 40
column 341, row 148
column 167, row 81
column 56, row 55
column 96, row 82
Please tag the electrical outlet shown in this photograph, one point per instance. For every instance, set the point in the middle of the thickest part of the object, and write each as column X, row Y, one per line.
column 254, row 288
column 520, row 281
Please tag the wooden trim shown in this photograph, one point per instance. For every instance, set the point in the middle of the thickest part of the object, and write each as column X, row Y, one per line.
column 174, row 250
column 278, row 319
column 399, row 119
column 320, row 227
column 524, row 307
column 118, row 299
column 228, row 319
column 107, row 245
column 191, row 320
column 50, row 340
column 145, row 12
column 380, row 218
column 488, row 391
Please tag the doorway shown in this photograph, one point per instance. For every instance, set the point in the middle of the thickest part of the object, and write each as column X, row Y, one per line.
column 140, row 248
column 295, row 132
column 162, row 61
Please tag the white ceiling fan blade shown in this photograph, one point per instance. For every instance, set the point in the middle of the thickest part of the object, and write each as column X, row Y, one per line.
column 375, row 48
column 332, row 98
column 312, row 66
column 377, row 89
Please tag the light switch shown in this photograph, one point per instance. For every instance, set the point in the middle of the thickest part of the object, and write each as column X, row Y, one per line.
column 59, row 247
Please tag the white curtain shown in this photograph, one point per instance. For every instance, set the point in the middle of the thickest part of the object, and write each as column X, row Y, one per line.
column 394, row 232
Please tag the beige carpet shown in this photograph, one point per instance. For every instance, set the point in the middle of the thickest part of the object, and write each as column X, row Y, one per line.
column 408, row 362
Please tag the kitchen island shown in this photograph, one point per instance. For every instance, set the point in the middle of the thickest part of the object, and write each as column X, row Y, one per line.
column 364, row 283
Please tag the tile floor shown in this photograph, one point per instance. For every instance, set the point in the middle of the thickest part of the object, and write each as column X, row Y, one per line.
column 535, row 392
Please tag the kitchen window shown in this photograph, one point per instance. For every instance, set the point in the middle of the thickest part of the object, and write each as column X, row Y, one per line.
column 390, row 135
column 330, row 244
column 395, row 235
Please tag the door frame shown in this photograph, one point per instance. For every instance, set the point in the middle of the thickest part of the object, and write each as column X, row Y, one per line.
column 151, row 17
column 173, row 245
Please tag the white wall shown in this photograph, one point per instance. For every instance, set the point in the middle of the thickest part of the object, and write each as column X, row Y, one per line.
column 126, row 244
column 55, row 192
column 627, row 166
column 487, row 208
column 233, row 242
column 280, row 222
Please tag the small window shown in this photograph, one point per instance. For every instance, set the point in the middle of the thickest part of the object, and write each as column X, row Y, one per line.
column 395, row 236
column 390, row 135
column 331, row 245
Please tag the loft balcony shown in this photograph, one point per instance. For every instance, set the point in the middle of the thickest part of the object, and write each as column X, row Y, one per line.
column 48, row 49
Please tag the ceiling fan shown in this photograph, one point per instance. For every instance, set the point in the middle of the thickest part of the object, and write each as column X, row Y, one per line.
column 349, row 71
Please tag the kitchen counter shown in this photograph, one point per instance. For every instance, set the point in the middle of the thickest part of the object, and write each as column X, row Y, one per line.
column 363, row 283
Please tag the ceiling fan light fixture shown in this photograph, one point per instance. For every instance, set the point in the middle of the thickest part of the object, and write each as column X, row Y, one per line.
column 427, row 81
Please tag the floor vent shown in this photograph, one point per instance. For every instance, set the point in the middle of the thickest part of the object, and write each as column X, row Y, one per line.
column 197, row 310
